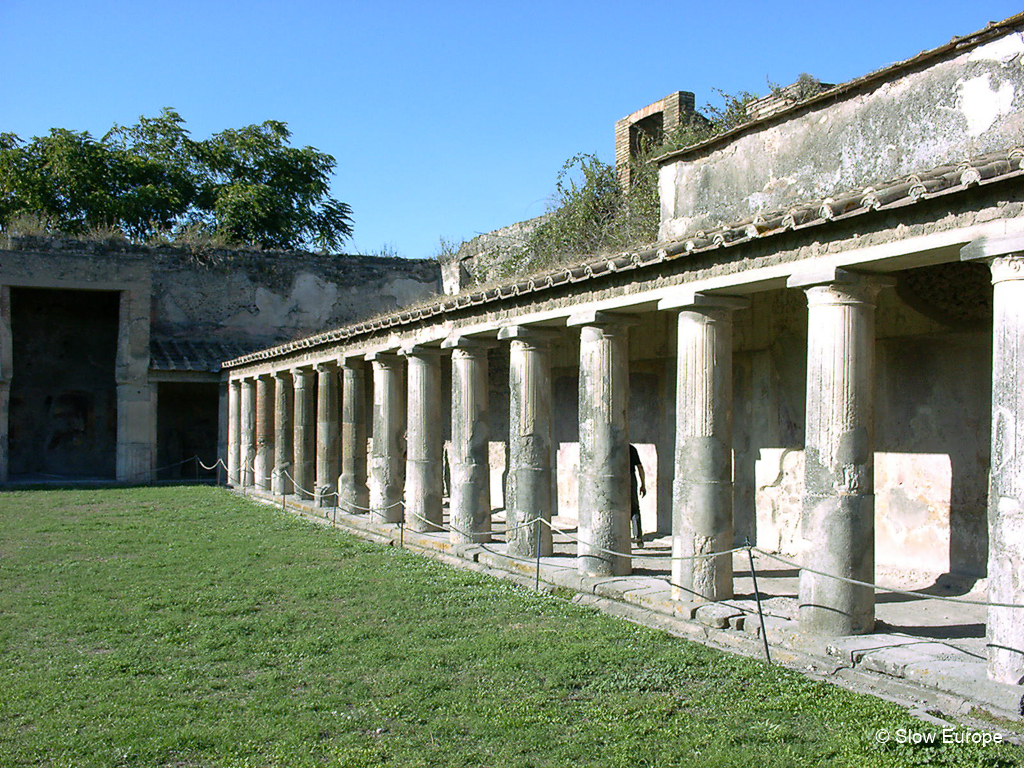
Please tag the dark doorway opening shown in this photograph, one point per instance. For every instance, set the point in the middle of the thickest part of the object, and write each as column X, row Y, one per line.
column 63, row 411
column 186, row 427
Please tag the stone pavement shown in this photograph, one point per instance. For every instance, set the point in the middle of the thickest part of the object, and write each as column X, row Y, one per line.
column 926, row 654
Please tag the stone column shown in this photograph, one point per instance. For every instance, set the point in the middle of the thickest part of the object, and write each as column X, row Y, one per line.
column 839, row 501
column 327, row 416
column 222, row 430
column 136, row 397
column 304, row 440
column 387, row 459
column 530, row 449
column 423, row 486
column 264, row 462
column 702, row 502
column 469, row 460
column 604, row 443
column 234, row 460
column 247, row 443
column 355, row 496
column 284, row 434
column 1005, row 626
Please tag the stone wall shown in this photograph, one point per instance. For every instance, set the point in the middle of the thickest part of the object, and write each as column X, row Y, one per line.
column 165, row 304
column 931, row 425
column 486, row 257
column 270, row 298
column 966, row 102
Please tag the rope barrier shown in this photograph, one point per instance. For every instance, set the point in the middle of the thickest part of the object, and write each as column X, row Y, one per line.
column 910, row 592
column 596, row 549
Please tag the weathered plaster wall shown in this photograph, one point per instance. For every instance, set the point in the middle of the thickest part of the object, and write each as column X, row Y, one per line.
column 968, row 104
column 931, row 424
column 250, row 300
column 486, row 257
column 256, row 299
column 272, row 298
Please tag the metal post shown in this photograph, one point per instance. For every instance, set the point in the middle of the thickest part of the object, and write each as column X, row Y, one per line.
column 401, row 533
column 536, row 544
column 757, row 596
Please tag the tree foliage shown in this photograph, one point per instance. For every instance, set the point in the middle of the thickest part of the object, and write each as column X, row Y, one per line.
column 243, row 186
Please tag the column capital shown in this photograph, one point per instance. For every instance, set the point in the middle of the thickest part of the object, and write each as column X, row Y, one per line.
column 282, row 374
column 693, row 300
column 530, row 334
column 354, row 361
column 593, row 317
column 303, row 375
column 829, row 275
column 419, row 350
column 326, row 366
column 468, row 343
column 384, row 359
column 1008, row 267
column 831, row 285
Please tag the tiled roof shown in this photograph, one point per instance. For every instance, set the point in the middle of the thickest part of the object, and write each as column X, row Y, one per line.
column 894, row 193
column 192, row 355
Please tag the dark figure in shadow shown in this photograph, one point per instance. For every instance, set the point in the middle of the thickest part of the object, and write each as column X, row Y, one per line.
column 636, row 470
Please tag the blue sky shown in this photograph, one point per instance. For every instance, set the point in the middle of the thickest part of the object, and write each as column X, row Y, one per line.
column 447, row 119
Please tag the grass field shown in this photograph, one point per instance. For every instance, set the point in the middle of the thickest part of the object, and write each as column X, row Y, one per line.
column 188, row 627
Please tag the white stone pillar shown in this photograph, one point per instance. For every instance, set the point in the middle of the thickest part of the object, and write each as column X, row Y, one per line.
column 355, row 496
column 304, row 440
column 839, row 495
column 387, row 459
column 702, row 493
column 530, row 450
column 1005, row 626
column 248, row 431
column 423, row 483
column 264, row 462
column 327, row 416
column 234, row 460
column 469, row 460
column 604, row 443
column 284, row 434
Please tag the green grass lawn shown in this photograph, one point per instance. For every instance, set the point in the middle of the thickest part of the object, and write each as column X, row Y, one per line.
column 189, row 627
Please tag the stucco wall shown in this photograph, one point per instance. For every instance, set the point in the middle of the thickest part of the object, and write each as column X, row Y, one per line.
column 274, row 298
column 255, row 299
column 932, row 413
column 967, row 104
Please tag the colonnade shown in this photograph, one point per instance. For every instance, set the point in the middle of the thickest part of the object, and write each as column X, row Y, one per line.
column 276, row 424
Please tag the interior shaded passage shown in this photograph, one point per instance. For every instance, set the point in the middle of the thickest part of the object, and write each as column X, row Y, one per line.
column 186, row 424
column 63, row 411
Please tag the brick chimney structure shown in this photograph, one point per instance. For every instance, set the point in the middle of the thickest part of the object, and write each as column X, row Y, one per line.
column 651, row 122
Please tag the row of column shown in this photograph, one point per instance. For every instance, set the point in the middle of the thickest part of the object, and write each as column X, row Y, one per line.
column 838, row 508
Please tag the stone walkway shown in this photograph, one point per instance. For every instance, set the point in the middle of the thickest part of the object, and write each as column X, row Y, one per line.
column 926, row 653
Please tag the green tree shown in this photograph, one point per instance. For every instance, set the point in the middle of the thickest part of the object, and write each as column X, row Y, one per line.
column 245, row 186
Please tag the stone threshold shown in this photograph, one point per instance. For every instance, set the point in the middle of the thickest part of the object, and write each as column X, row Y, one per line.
column 926, row 676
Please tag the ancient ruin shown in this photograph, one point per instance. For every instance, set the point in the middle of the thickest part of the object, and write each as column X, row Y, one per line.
column 110, row 354
column 821, row 355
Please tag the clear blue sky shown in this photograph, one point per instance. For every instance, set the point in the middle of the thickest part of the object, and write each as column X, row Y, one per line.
column 446, row 118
